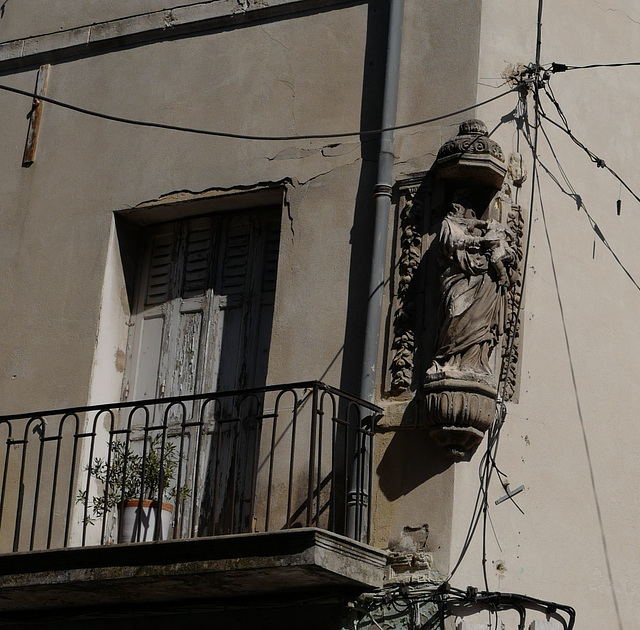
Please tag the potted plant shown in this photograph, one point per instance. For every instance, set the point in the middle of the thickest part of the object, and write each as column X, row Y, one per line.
column 132, row 483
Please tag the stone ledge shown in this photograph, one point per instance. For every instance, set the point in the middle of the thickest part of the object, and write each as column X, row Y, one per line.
column 215, row 567
column 184, row 21
column 400, row 414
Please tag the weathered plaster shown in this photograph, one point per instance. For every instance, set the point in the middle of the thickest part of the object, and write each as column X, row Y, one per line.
column 115, row 25
column 111, row 336
column 562, row 441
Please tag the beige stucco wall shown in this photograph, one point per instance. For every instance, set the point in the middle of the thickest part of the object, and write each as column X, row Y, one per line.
column 572, row 439
column 268, row 78
column 320, row 72
column 86, row 169
column 439, row 68
column 27, row 18
column 66, row 324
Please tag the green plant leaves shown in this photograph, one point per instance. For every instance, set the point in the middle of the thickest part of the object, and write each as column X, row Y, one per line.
column 128, row 474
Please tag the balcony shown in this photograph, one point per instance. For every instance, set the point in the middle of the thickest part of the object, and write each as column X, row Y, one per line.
column 250, row 482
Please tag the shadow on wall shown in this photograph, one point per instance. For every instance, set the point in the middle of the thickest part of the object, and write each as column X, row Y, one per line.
column 411, row 458
column 362, row 230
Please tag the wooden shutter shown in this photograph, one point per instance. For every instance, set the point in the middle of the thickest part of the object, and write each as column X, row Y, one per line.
column 205, row 305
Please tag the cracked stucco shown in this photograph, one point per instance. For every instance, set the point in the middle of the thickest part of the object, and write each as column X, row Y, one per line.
column 609, row 9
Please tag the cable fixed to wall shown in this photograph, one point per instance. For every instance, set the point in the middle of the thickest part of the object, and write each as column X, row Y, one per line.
column 240, row 136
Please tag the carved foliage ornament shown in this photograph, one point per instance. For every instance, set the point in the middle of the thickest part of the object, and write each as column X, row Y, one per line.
column 404, row 318
column 515, row 220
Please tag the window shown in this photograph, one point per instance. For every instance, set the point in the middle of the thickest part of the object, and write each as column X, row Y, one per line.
column 203, row 308
column 201, row 322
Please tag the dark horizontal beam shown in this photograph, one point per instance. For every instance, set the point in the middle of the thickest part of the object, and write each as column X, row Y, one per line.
column 138, row 30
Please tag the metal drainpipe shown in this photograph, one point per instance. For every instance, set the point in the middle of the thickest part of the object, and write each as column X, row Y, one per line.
column 358, row 496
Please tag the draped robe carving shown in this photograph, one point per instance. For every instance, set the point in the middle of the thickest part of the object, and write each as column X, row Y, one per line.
column 476, row 256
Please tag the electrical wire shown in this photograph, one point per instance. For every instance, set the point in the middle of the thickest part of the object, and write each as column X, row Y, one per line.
column 488, row 465
column 240, row 136
column 489, row 459
column 571, row 192
column 579, row 202
column 599, row 162
column 485, row 469
column 501, row 601
column 561, row 67
column 488, row 462
column 507, row 360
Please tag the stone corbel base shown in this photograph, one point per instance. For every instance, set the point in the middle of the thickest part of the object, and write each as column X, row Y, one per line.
column 459, row 412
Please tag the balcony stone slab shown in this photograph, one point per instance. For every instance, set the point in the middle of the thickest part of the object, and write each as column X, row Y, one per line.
column 306, row 559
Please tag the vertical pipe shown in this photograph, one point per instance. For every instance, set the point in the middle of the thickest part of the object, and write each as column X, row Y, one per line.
column 382, row 208
column 382, row 194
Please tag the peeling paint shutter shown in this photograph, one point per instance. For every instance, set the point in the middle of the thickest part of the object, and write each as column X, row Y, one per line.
column 205, row 305
column 150, row 322
column 182, row 367
column 237, row 268
column 203, row 323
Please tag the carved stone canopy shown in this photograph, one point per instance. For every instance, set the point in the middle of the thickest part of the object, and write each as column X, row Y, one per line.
column 472, row 156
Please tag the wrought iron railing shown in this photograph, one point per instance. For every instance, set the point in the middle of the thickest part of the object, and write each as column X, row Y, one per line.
column 261, row 459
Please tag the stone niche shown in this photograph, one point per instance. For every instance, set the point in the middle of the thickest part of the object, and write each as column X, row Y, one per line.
column 455, row 343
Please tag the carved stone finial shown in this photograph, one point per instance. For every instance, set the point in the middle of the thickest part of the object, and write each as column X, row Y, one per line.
column 472, row 126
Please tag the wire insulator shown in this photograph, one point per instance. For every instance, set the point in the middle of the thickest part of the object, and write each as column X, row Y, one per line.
column 559, row 67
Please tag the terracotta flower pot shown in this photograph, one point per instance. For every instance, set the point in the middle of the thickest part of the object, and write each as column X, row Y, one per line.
column 138, row 522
